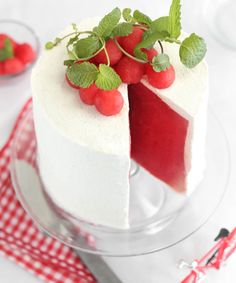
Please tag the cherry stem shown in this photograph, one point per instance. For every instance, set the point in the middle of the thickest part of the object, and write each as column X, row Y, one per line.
column 107, row 55
column 64, row 37
column 162, row 49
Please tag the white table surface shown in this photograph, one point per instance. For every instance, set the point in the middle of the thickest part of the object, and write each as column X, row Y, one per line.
column 48, row 17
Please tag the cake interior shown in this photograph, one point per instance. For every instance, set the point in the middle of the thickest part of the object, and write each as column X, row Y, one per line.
column 158, row 136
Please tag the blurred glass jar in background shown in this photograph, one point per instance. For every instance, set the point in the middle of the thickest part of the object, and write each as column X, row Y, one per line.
column 24, row 48
column 220, row 16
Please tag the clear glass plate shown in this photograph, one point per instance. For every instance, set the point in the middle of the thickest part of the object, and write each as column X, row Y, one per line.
column 159, row 217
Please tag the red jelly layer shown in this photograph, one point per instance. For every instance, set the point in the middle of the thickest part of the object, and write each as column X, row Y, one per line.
column 158, row 136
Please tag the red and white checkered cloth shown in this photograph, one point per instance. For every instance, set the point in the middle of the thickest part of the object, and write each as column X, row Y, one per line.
column 22, row 242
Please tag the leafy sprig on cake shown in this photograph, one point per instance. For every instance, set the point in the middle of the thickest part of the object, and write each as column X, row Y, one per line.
column 121, row 48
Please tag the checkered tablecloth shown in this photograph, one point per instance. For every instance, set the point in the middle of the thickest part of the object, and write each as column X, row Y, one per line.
column 23, row 243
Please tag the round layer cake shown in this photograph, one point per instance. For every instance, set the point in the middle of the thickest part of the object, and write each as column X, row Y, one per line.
column 84, row 157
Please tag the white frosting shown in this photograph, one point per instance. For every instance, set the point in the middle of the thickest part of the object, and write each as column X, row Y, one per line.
column 84, row 157
column 195, row 161
column 88, row 183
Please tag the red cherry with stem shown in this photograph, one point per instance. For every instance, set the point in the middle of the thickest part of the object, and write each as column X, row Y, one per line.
column 152, row 52
column 161, row 80
column 87, row 95
column 129, row 42
column 129, row 70
column 109, row 102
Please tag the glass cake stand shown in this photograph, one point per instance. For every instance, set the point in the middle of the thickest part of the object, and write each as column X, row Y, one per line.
column 159, row 217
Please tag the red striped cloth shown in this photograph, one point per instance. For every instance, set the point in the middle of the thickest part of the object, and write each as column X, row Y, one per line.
column 23, row 243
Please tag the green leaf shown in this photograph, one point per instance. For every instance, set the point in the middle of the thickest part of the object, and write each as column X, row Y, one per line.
column 159, row 25
column 142, row 18
column 174, row 25
column 108, row 23
column 107, row 78
column 86, row 47
column 72, row 40
column 161, row 62
column 126, row 13
column 8, row 47
column 122, row 29
column 83, row 74
column 149, row 42
column 69, row 62
column 192, row 50
column 7, row 51
column 72, row 55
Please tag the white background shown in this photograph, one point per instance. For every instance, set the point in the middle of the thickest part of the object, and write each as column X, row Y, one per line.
column 48, row 17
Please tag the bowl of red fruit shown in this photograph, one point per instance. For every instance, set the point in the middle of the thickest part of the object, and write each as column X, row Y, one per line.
column 19, row 47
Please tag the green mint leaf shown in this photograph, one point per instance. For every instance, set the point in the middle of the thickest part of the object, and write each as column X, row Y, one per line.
column 149, row 42
column 72, row 55
column 159, row 25
column 69, row 62
column 83, row 74
column 126, row 13
column 7, row 51
column 108, row 23
column 172, row 40
column 2, row 55
column 122, row 29
column 174, row 25
column 142, row 18
column 49, row 45
column 192, row 50
column 72, row 40
column 86, row 47
column 107, row 78
column 160, row 62
column 8, row 47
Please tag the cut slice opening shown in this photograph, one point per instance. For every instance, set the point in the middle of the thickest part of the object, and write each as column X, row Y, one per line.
column 158, row 136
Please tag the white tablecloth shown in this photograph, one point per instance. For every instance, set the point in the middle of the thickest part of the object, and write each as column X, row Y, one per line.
column 48, row 17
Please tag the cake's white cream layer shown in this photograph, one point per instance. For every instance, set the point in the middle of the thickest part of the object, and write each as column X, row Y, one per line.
column 190, row 88
column 84, row 157
column 89, row 184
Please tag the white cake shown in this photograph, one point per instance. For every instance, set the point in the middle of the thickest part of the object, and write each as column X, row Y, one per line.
column 84, row 157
